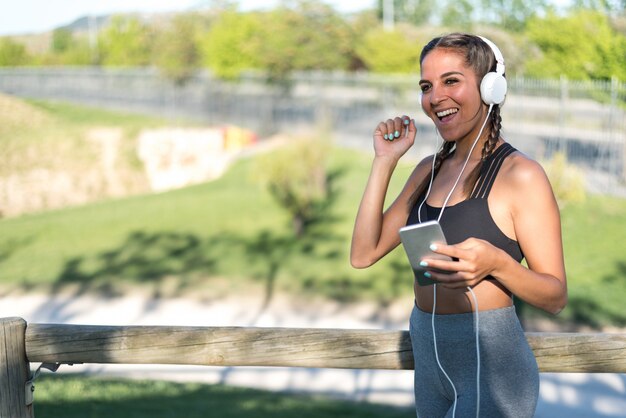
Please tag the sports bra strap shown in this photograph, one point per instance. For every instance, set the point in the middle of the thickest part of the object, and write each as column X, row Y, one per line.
column 489, row 171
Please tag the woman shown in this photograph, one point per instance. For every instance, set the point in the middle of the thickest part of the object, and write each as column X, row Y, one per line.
column 471, row 356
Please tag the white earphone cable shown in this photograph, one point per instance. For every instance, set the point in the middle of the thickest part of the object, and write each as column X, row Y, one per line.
column 445, row 202
column 476, row 319
column 476, row 315
column 432, row 171
column 430, row 183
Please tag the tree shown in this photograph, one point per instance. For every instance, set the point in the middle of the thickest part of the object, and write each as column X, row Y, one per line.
column 416, row 12
column 388, row 51
column 12, row 53
column 511, row 14
column 228, row 47
column 178, row 55
column 458, row 14
column 68, row 49
column 305, row 35
column 296, row 177
column 580, row 46
column 299, row 35
column 605, row 6
column 125, row 42
column 61, row 40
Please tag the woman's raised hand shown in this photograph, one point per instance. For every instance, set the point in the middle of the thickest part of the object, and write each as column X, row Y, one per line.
column 394, row 137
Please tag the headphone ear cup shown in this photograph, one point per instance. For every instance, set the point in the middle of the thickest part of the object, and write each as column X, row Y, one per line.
column 493, row 88
column 421, row 104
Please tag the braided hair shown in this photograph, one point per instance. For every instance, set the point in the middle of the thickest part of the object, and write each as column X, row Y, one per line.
column 478, row 56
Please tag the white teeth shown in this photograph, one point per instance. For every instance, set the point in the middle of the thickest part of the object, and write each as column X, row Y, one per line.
column 447, row 112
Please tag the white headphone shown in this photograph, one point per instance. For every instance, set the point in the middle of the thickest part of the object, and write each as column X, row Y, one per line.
column 493, row 86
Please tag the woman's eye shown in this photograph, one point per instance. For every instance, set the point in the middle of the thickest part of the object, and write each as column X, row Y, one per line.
column 451, row 81
column 424, row 88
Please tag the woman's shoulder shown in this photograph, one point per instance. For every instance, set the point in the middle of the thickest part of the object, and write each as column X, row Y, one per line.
column 425, row 162
column 519, row 170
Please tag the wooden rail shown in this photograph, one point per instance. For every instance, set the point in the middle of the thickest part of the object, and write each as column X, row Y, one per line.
column 235, row 346
column 291, row 347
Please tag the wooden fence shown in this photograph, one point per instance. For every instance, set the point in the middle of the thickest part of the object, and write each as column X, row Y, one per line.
column 21, row 345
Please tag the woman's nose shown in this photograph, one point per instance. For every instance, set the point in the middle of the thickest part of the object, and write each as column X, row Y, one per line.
column 435, row 95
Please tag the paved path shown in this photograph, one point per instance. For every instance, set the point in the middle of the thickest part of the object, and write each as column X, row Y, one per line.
column 561, row 395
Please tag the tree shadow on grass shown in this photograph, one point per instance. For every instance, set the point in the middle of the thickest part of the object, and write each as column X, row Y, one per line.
column 9, row 247
column 272, row 251
column 177, row 261
column 141, row 258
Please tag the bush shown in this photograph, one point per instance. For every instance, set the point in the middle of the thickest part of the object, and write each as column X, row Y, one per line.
column 580, row 46
column 389, row 52
column 12, row 53
column 306, row 36
column 178, row 55
column 296, row 177
column 228, row 47
column 125, row 42
column 568, row 181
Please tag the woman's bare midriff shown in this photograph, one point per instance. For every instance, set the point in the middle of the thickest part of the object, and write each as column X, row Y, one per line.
column 489, row 293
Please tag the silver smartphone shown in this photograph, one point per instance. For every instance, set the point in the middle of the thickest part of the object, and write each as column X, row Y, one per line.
column 416, row 240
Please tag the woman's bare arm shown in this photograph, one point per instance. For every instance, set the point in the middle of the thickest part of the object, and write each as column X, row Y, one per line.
column 376, row 230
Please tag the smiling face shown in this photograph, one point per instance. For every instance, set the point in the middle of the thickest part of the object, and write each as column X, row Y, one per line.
column 451, row 95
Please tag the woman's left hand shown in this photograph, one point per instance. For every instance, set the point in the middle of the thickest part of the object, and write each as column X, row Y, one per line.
column 475, row 260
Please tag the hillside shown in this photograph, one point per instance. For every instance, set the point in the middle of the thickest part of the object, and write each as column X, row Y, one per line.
column 56, row 155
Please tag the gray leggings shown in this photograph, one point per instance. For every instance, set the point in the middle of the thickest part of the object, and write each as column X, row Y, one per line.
column 509, row 377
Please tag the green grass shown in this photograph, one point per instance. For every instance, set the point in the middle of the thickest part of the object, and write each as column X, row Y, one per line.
column 227, row 228
column 70, row 114
column 595, row 261
column 595, row 257
column 75, row 396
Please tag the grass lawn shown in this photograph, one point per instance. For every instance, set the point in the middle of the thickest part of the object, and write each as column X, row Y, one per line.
column 77, row 396
column 231, row 231
column 226, row 228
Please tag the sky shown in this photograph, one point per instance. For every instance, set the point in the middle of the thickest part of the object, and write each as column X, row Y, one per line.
column 18, row 17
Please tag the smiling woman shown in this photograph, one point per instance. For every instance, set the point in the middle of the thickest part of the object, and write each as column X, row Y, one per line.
column 490, row 224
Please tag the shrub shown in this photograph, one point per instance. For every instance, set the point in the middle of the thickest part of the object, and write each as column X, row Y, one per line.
column 296, row 177
column 12, row 53
column 388, row 52
column 568, row 181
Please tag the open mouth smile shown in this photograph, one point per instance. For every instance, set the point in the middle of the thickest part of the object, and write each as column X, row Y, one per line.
column 446, row 114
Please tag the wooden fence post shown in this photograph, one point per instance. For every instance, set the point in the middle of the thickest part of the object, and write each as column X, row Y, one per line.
column 14, row 369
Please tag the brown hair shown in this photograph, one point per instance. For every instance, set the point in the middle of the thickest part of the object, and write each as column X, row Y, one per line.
column 480, row 57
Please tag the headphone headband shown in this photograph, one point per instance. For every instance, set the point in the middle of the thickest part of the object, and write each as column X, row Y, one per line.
column 496, row 52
